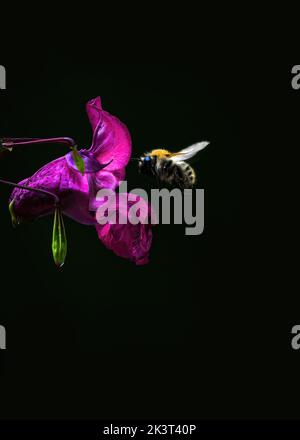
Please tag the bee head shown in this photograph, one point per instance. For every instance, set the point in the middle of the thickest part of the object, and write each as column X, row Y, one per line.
column 144, row 160
column 146, row 164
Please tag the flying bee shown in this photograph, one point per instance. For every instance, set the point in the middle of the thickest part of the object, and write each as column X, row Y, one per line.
column 171, row 168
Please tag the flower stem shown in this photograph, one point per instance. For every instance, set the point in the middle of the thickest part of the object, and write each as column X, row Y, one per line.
column 10, row 143
column 15, row 142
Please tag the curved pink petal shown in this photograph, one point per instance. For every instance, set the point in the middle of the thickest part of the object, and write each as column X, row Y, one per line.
column 57, row 177
column 111, row 138
column 130, row 241
column 30, row 205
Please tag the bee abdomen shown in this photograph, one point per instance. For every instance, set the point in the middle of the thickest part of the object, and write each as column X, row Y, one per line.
column 188, row 175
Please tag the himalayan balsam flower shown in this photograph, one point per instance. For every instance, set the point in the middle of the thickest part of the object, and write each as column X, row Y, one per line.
column 69, row 185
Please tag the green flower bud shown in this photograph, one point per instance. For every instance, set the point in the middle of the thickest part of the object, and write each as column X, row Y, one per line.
column 14, row 218
column 59, row 239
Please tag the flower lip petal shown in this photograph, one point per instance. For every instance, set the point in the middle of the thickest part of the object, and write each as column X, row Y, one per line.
column 127, row 240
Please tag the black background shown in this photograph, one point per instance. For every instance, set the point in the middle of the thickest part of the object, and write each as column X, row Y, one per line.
column 199, row 332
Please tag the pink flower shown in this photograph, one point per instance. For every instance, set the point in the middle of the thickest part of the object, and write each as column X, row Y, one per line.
column 77, row 193
column 70, row 184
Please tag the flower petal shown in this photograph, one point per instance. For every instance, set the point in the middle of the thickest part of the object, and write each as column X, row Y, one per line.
column 57, row 177
column 130, row 241
column 29, row 205
column 111, row 138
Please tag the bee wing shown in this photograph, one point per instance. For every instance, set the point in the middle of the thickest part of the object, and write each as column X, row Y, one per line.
column 188, row 152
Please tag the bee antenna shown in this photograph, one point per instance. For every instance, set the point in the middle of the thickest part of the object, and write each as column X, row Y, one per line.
column 135, row 158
